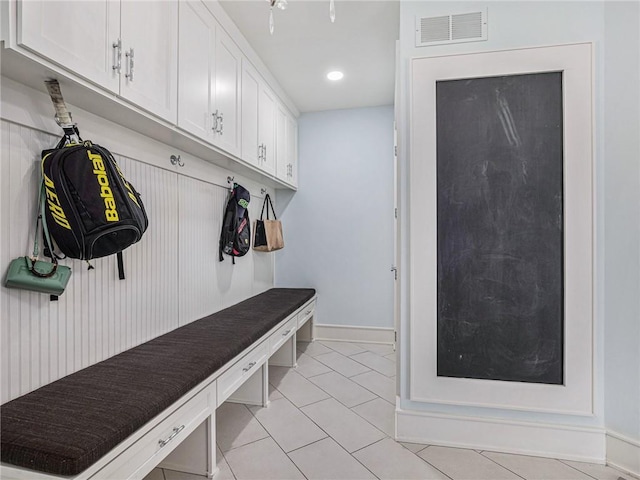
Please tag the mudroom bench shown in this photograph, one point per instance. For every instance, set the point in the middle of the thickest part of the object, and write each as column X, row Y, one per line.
column 155, row 403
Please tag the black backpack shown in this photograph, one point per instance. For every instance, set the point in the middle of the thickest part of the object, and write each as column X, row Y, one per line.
column 91, row 209
column 235, row 238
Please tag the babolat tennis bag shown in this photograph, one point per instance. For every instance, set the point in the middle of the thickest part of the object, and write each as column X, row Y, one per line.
column 91, row 209
column 235, row 238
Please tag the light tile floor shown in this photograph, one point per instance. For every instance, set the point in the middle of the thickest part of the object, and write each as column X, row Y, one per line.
column 332, row 419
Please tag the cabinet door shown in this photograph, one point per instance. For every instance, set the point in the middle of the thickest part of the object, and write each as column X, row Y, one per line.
column 286, row 146
column 250, row 94
column 227, row 93
column 79, row 36
column 292, row 150
column 196, row 47
column 150, row 56
column 266, row 129
column 282, row 155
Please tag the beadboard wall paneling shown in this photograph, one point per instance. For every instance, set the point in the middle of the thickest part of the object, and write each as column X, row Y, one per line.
column 237, row 282
column 99, row 316
column 200, row 210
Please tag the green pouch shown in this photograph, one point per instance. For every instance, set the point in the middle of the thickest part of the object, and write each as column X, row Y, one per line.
column 29, row 273
column 38, row 276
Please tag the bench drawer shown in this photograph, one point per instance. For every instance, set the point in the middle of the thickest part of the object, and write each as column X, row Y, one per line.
column 141, row 457
column 283, row 334
column 230, row 380
column 306, row 313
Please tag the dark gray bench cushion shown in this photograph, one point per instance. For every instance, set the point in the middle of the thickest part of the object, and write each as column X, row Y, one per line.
column 66, row 426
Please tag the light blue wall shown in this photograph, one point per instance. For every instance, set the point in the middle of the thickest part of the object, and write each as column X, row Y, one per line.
column 622, row 218
column 338, row 228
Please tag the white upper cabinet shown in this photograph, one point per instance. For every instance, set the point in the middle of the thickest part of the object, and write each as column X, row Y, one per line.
column 266, row 129
column 251, row 148
column 128, row 47
column 149, row 70
column 209, row 79
column 228, row 65
column 258, row 121
column 170, row 60
column 286, row 146
column 81, row 36
column 196, row 46
column 282, row 155
column 292, row 149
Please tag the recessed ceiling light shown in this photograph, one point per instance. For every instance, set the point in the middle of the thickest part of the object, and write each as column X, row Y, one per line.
column 335, row 75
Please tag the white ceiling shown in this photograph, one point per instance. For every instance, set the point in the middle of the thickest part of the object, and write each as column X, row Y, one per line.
column 306, row 46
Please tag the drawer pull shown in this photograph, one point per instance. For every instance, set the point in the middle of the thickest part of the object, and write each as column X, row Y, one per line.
column 308, row 312
column 286, row 333
column 175, row 432
column 249, row 367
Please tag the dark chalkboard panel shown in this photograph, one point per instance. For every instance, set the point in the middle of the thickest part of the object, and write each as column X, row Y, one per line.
column 500, row 228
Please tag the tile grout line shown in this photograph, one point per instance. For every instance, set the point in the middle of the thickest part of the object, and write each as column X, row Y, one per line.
column 370, row 368
column 412, row 453
column 372, row 443
column 379, row 396
column 575, row 468
column 355, row 383
column 285, row 454
column 369, row 422
column 309, row 418
column 421, row 450
column 299, row 410
column 226, row 461
column 240, row 446
column 503, row 466
column 351, row 408
column 308, row 444
column 325, row 432
column 344, row 449
column 429, row 463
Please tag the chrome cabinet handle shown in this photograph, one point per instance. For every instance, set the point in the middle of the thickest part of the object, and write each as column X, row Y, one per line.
column 129, row 56
column 221, row 123
column 260, row 152
column 308, row 312
column 249, row 367
column 286, row 333
column 175, row 432
column 215, row 121
column 117, row 56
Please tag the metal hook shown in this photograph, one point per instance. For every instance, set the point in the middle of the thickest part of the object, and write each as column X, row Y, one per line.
column 176, row 161
column 263, row 191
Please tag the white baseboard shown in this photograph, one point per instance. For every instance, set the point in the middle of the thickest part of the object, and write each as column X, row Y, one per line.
column 623, row 453
column 509, row 436
column 347, row 333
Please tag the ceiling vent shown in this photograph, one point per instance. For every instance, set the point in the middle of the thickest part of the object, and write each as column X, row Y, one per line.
column 452, row 28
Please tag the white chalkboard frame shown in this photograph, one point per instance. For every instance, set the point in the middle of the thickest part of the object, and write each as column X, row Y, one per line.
column 575, row 396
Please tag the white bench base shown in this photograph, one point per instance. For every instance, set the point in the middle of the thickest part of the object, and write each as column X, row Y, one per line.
column 183, row 437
